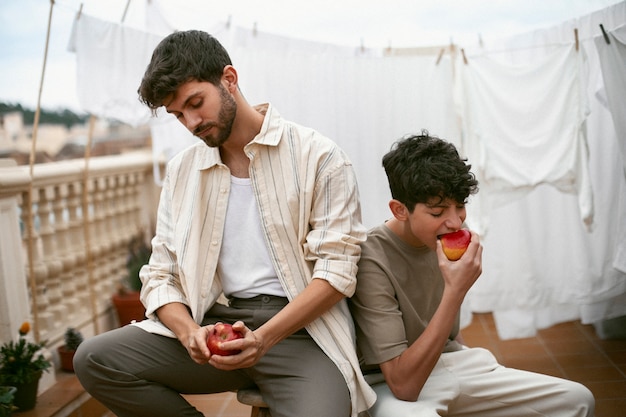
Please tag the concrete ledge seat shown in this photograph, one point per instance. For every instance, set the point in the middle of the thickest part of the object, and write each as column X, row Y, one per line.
column 253, row 398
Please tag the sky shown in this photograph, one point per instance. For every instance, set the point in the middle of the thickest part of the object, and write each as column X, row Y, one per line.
column 376, row 24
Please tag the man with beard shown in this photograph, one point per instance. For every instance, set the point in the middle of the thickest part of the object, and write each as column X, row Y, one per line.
column 263, row 214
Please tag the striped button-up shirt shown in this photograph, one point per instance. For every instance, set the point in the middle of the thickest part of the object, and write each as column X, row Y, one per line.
column 306, row 191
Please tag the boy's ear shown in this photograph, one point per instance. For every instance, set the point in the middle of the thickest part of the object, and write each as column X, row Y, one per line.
column 399, row 210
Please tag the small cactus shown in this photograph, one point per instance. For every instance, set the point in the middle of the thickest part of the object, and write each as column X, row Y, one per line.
column 73, row 338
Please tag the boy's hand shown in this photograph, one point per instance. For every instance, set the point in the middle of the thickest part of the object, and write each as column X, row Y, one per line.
column 461, row 274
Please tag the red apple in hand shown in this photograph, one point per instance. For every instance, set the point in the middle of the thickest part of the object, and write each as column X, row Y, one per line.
column 454, row 244
column 222, row 332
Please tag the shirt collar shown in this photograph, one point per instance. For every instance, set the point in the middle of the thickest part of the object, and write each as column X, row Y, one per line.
column 272, row 129
column 269, row 135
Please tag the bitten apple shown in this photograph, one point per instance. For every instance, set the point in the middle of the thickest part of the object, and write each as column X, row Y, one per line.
column 454, row 244
column 222, row 332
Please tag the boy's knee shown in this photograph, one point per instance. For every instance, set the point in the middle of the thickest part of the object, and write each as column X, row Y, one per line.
column 586, row 401
column 580, row 399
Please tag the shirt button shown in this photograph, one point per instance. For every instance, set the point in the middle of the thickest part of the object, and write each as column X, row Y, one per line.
column 266, row 299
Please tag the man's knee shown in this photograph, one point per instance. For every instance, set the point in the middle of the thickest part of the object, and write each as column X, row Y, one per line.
column 81, row 359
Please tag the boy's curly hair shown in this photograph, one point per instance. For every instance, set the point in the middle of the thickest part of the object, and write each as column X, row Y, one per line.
column 421, row 168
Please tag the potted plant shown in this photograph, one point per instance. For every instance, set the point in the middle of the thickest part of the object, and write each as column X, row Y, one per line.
column 126, row 300
column 72, row 338
column 6, row 400
column 21, row 366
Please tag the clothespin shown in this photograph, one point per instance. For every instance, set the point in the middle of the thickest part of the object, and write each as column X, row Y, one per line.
column 480, row 41
column 80, row 11
column 606, row 37
column 576, row 37
column 229, row 21
column 362, row 45
column 125, row 11
column 464, row 57
column 440, row 56
column 254, row 30
column 389, row 47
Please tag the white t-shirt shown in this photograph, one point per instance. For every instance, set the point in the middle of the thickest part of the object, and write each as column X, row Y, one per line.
column 245, row 267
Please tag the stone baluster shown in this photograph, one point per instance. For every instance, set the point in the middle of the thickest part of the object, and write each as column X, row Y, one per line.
column 112, row 209
column 76, row 234
column 93, row 247
column 60, row 210
column 107, row 204
column 45, row 319
column 50, row 255
column 129, row 225
column 137, row 222
column 121, row 226
column 101, row 244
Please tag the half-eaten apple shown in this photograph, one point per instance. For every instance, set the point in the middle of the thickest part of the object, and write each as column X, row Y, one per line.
column 454, row 244
column 222, row 332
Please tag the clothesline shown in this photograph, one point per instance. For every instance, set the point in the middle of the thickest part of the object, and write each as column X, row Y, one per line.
column 388, row 50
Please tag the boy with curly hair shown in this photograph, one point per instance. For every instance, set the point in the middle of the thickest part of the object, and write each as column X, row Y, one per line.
column 409, row 295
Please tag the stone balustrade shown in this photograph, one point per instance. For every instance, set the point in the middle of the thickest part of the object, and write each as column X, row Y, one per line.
column 65, row 240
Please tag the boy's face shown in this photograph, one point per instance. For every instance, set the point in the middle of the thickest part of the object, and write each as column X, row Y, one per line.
column 433, row 219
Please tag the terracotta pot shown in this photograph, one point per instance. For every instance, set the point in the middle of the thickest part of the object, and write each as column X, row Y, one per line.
column 26, row 395
column 67, row 358
column 128, row 307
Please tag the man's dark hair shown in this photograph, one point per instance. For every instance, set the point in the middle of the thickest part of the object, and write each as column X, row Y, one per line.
column 178, row 58
column 422, row 167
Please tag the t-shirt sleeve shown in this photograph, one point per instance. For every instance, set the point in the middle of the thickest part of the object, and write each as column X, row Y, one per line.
column 379, row 326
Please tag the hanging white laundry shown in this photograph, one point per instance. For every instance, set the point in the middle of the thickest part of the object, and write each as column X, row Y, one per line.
column 613, row 64
column 612, row 57
column 110, row 62
column 524, row 126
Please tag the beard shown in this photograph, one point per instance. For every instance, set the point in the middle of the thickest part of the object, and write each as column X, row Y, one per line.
column 220, row 130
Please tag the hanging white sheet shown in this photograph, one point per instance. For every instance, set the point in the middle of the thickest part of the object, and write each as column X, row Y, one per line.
column 612, row 56
column 540, row 265
column 110, row 62
column 523, row 127
column 613, row 64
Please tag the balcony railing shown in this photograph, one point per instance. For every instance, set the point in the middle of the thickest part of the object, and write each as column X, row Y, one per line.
column 65, row 241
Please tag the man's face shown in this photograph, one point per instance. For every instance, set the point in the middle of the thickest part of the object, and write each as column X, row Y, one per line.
column 206, row 110
column 431, row 220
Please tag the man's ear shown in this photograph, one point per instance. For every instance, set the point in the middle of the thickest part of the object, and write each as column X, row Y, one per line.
column 230, row 77
column 399, row 210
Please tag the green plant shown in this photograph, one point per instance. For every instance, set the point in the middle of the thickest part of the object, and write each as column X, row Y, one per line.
column 6, row 400
column 138, row 255
column 22, row 361
column 73, row 338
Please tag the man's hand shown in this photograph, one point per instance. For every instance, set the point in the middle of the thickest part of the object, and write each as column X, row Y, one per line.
column 251, row 347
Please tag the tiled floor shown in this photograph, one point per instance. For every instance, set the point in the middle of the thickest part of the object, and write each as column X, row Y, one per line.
column 569, row 350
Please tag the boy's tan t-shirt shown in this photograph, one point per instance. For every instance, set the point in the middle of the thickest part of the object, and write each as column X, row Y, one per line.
column 399, row 288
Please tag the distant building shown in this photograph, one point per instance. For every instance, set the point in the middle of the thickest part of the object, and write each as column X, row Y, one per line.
column 57, row 142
